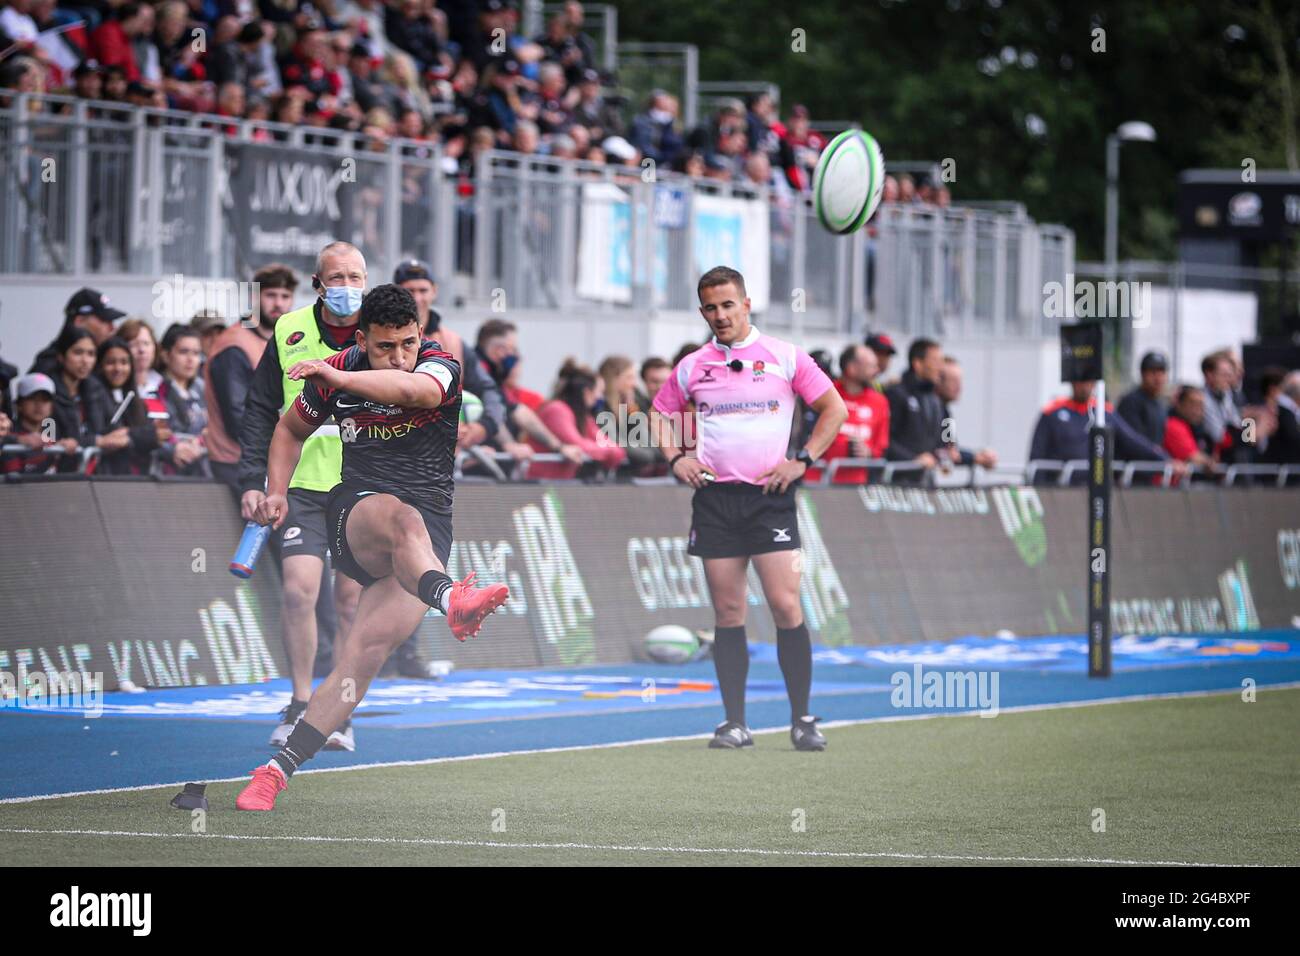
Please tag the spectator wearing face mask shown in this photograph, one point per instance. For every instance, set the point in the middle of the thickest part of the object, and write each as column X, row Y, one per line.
column 654, row 132
column 497, row 351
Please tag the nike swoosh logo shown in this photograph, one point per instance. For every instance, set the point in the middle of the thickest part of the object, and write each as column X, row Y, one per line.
column 348, row 405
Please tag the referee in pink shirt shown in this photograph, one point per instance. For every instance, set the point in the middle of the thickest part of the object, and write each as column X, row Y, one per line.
column 744, row 385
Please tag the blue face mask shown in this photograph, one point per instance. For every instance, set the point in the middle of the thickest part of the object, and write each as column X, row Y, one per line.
column 343, row 299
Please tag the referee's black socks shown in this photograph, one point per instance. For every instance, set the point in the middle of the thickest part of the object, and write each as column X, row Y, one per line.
column 303, row 743
column 794, row 652
column 731, row 660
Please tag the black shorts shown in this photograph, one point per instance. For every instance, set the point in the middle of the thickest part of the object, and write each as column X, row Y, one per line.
column 344, row 496
column 304, row 530
column 732, row 519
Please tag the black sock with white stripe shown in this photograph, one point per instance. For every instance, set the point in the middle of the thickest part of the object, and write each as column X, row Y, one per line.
column 434, row 588
column 302, row 745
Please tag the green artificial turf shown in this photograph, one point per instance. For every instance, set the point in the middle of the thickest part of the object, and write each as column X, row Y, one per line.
column 1198, row 779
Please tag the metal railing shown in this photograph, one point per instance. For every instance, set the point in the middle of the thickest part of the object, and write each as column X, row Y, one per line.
column 1161, row 473
column 93, row 188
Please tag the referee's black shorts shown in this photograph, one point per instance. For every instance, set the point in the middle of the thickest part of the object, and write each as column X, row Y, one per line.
column 734, row 519
column 344, row 496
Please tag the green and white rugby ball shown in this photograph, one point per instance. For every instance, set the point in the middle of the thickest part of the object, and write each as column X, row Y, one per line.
column 848, row 181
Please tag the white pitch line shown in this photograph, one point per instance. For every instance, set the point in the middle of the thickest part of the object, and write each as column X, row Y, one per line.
column 831, row 724
column 624, row 848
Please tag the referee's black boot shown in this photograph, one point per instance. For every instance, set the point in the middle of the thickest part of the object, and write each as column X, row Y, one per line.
column 805, row 735
column 730, row 735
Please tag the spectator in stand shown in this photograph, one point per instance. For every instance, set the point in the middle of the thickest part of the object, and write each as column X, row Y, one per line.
column 496, row 355
column 560, row 47
column 1062, row 434
column 883, row 346
column 416, row 277
column 628, row 416
column 654, row 373
column 488, row 44
column 81, row 410
column 1283, row 445
column 907, row 189
column 248, row 59
column 138, row 334
column 569, row 416
column 576, row 16
column 730, row 114
column 127, row 412
column 33, row 411
column 114, row 42
column 916, row 411
column 497, row 105
column 209, row 324
column 1144, row 407
column 232, row 360
column 1222, row 415
column 593, row 112
column 764, row 131
column 654, row 132
column 949, row 389
column 805, row 147
column 310, row 64
column 1225, row 413
column 759, row 171
column 1186, row 439
column 88, row 80
column 865, row 433
column 552, row 111
column 183, row 393
column 87, row 309
column 890, row 191
column 414, row 26
column 366, row 90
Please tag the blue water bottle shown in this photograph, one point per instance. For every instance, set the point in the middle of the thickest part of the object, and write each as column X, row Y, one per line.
column 250, row 546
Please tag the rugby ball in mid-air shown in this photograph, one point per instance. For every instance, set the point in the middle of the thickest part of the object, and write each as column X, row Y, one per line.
column 671, row 644
column 471, row 408
column 848, row 181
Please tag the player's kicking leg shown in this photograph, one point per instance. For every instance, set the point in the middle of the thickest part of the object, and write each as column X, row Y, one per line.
column 388, row 543
column 779, row 571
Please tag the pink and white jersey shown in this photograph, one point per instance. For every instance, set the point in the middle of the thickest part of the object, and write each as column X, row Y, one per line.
column 743, row 416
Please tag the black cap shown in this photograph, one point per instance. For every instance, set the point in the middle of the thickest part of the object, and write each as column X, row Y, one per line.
column 91, row 302
column 880, row 342
column 360, row 49
column 1155, row 362
column 412, row 269
column 87, row 67
column 251, row 32
column 136, row 88
column 493, row 6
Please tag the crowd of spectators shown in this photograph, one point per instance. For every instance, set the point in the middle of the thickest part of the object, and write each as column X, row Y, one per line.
column 458, row 73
